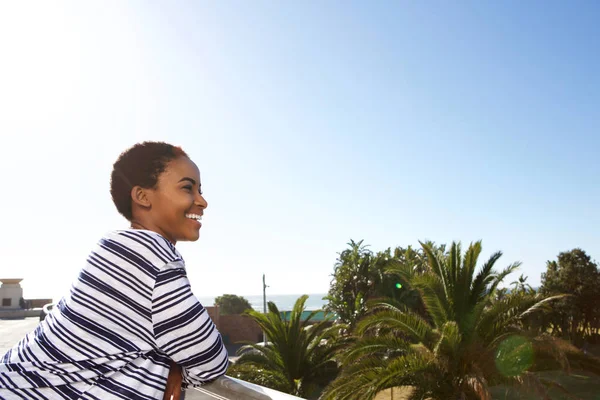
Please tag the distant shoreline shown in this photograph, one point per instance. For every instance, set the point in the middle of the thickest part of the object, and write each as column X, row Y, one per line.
column 284, row 302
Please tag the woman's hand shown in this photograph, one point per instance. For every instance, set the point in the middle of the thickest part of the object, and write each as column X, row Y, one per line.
column 173, row 390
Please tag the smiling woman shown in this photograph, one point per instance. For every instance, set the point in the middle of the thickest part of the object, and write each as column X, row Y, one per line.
column 163, row 195
column 130, row 328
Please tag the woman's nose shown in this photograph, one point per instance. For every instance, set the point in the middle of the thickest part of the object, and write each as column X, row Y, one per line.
column 201, row 201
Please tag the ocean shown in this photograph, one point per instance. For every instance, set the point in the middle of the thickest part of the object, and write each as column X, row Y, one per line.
column 284, row 302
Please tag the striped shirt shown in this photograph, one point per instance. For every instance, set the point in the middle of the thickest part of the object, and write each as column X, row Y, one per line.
column 130, row 312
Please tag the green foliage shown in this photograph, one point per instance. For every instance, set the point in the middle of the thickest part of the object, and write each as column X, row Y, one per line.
column 452, row 351
column 232, row 304
column 514, row 356
column 354, row 278
column 360, row 276
column 521, row 286
column 299, row 357
column 264, row 377
column 576, row 317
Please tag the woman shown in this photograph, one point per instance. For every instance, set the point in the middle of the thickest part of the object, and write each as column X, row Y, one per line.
column 131, row 315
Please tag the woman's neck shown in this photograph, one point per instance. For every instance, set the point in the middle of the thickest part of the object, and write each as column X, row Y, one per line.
column 137, row 225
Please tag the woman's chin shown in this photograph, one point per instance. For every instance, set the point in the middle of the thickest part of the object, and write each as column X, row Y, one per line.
column 191, row 236
column 189, row 232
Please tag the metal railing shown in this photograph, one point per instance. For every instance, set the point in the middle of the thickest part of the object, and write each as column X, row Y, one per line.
column 227, row 388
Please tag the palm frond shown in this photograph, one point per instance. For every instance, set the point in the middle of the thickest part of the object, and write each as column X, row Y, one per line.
column 296, row 322
column 272, row 307
column 437, row 265
column 454, row 261
column 506, row 315
column 470, row 263
column 355, row 381
column 462, row 305
column 477, row 385
column 260, row 355
column 483, row 278
column 502, row 314
column 386, row 304
column 389, row 346
column 409, row 370
column 433, row 295
column 403, row 270
column 541, row 305
column 408, row 323
column 449, row 341
column 499, row 277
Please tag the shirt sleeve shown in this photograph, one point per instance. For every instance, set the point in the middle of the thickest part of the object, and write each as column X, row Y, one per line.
column 183, row 329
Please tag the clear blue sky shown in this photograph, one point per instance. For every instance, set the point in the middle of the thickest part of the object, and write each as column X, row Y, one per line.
column 312, row 123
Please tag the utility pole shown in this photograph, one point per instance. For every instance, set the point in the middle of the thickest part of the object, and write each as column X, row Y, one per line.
column 264, row 306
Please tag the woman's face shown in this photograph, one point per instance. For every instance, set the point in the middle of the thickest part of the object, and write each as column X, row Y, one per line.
column 176, row 202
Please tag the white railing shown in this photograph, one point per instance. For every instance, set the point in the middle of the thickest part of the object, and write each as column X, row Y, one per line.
column 227, row 388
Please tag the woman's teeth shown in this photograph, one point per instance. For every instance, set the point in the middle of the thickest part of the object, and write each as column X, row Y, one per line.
column 194, row 216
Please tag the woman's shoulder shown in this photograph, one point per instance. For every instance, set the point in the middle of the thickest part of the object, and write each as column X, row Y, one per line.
column 141, row 244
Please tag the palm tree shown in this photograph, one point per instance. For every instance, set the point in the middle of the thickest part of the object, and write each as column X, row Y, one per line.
column 299, row 357
column 464, row 344
column 521, row 285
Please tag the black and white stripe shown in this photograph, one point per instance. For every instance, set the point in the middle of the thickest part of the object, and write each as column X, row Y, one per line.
column 130, row 312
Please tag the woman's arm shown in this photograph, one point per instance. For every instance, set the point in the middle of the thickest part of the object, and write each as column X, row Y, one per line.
column 173, row 391
column 183, row 329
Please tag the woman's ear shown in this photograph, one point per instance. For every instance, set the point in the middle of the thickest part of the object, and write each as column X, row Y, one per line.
column 139, row 196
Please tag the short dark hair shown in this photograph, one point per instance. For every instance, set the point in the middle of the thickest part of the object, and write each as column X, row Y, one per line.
column 141, row 166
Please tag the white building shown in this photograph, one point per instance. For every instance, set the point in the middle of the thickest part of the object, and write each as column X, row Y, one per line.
column 11, row 293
